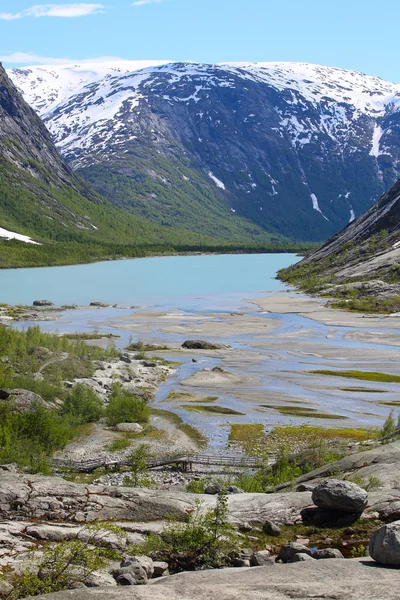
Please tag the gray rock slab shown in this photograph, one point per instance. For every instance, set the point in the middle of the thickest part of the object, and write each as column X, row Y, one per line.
column 352, row 579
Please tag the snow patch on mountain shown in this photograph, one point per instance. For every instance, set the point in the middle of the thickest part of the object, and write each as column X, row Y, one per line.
column 316, row 205
column 11, row 235
column 376, row 138
column 217, row 182
column 45, row 86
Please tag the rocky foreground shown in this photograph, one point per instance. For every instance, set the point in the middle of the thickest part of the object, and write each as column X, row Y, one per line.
column 353, row 579
column 36, row 510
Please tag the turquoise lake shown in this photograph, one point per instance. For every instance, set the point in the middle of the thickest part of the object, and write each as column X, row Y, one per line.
column 184, row 281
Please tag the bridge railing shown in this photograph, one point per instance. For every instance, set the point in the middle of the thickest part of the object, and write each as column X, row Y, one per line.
column 88, row 466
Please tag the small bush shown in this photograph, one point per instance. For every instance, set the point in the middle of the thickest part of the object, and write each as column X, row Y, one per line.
column 66, row 565
column 206, row 540
column 389, row 426
column 84, row 404
column 123, row 407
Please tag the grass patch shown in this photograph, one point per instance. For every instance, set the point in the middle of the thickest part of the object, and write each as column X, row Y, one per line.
column 170, row 416
column 395, row 404
column 302, row 411
column 245, row 432
column 118, row 445
column 361, row 389
column 362, row 375
column 215, row 410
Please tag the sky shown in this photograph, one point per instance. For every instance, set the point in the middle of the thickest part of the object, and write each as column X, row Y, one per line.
column 353, row 34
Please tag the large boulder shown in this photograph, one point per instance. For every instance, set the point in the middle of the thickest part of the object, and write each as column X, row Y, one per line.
column 335, row 494
column 288, row 551
column 23, row 400
column 384, row 544
column 261, row 558
column 271, row 528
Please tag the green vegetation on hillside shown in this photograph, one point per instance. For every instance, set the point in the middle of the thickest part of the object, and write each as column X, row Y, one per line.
column 33, row 361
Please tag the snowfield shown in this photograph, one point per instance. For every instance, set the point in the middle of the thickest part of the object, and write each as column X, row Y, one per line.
column 11, row 235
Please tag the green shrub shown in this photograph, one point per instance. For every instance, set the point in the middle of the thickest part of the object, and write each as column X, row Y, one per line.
column 389, row 426
column 197, row 486
column 206, row 540
column 123, row 407
column 66, row 565
column 138, row 476
column 83, row 404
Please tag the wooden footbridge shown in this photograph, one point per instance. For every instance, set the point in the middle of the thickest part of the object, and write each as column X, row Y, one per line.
column 183, row 461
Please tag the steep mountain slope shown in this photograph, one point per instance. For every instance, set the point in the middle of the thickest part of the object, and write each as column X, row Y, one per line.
column 361, row 264
column 41, row 198
column 295, row 148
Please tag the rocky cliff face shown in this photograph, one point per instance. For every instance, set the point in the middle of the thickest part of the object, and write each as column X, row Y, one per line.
column 359, row 262
column 34, row 181
column 291, row 148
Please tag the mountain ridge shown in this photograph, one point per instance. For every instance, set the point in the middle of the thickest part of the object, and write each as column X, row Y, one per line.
column 295, row 149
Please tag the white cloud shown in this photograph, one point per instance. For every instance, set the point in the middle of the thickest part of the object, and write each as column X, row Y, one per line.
column 55, row 10
column 144, row 2
column 29, row 58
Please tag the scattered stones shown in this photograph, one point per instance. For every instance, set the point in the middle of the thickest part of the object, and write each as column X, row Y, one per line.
column 271, row 528
column 384, row 544
column 129, row 427
column 202, row 345
column 327, row 553
column 289, row 551
column 335, row 494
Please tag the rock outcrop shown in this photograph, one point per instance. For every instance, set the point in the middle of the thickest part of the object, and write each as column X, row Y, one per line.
column 353, row 579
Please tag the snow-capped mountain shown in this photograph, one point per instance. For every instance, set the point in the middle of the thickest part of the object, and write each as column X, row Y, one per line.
column 295, row 148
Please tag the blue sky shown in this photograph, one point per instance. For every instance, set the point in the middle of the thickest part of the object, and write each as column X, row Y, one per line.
column 354, row 34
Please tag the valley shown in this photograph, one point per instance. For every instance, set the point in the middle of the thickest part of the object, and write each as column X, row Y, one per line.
column 199, row 381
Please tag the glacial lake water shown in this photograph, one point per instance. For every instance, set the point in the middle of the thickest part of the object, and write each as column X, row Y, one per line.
column 159, row 298
column 183, row 281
